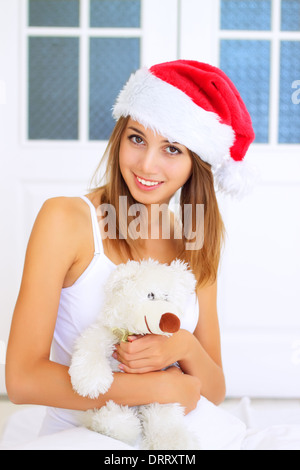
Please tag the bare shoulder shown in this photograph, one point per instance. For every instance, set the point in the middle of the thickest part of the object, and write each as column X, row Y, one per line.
column 58, row 239
column 62, row 223
column 69, row 209
column 65, row 214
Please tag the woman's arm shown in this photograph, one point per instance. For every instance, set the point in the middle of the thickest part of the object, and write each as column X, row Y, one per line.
column 48, row 384
column 198, row 354
column 202, row 357
column 30, row 375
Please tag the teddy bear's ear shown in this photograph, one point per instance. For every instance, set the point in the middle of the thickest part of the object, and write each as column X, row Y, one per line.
column 120, row 277
column 185, row 276
column 179, row 266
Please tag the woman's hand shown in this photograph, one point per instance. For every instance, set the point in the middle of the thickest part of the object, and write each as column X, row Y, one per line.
column 148, row 353
column 181, row 388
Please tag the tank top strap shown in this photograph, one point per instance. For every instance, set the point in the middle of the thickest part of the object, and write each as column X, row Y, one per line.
column 96, row 229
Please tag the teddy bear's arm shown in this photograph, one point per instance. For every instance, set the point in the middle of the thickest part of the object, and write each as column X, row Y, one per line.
column 90, row 371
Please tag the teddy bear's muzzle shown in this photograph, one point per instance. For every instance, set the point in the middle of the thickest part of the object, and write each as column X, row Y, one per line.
column 169, row 323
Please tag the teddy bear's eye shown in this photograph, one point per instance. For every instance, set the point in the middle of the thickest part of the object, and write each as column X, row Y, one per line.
column 151, row 296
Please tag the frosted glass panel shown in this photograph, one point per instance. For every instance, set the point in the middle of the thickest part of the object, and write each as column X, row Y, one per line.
column 289, row 119
column 247, row 63
column 53, row 88
column 246, row 14
column 112, row 60
column 115, row 13
column 290, row 15
column 54, row 13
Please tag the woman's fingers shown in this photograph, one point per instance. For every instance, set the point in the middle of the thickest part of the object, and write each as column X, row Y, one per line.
column 138, row 355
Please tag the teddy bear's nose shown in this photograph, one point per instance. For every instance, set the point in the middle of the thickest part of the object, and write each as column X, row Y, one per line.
column 169, row 323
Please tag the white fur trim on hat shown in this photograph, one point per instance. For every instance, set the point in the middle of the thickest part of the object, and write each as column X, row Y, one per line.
column 171, row 113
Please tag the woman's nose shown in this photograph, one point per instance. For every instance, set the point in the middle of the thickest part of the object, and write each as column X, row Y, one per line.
column 148, row 163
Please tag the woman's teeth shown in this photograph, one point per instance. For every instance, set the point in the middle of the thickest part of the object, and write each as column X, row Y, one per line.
column 147, row 183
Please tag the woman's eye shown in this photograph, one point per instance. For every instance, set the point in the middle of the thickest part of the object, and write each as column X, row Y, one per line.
column 172, row 150
column 136, row 139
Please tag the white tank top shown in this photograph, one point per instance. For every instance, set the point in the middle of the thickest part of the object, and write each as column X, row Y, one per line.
column 80, row 305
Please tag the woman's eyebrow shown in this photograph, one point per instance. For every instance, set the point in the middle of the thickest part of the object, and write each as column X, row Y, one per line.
column 137, row 130
column 142, row 133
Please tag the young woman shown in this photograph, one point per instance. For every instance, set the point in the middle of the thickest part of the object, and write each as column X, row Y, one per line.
column 167, row 118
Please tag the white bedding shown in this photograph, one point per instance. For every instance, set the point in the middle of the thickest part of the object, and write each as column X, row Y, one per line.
column 243, row 427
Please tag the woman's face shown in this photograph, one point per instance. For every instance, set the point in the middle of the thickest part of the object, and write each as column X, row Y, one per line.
column 152, row 167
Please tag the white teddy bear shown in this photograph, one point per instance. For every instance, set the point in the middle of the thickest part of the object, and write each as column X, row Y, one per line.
column 140, row 298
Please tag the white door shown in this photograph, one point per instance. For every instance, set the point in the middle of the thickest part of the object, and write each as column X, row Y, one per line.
column 258, row 44
column 61, row 65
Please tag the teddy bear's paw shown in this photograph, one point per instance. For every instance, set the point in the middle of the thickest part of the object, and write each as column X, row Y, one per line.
column 90, row 370
column 90, row 381
column 116, row 421
column 175, row 440
column 164, row 428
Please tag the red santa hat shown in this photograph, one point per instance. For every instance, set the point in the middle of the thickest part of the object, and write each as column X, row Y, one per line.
column 198, row 106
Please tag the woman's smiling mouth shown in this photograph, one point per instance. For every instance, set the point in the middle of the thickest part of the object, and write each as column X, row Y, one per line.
column 146, row 184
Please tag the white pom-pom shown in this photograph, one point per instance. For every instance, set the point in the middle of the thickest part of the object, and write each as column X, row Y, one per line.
column 235, row 178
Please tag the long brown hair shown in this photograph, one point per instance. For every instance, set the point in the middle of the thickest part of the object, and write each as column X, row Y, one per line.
column 198, row 190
